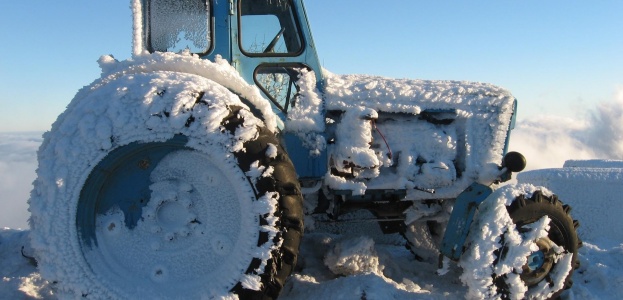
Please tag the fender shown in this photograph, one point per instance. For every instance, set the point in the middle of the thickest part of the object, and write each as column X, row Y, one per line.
column 462, row 218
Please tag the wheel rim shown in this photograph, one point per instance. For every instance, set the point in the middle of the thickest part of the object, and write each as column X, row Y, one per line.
column 539, row 263
column 167, row 220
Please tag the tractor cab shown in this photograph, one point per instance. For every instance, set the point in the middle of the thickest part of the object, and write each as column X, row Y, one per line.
column 268, row 42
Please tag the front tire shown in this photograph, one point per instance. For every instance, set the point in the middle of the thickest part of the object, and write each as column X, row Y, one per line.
column 544, row 273
column 163, row 185
column 523, row 244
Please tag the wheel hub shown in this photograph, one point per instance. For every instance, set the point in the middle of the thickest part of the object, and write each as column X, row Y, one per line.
column 535, row 261
column 170, row 213
column 539, row 263
column 175, row 227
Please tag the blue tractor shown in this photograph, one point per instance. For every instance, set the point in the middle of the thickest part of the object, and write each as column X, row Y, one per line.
column 188, row 170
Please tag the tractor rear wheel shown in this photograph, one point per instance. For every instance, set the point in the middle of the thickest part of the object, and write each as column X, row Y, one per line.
column 160, row 210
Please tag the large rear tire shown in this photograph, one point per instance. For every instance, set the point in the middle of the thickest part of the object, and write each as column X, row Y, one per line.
column 164, row 185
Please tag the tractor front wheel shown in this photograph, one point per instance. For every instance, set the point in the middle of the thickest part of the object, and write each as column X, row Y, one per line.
column 523, row 248
column 549, row 266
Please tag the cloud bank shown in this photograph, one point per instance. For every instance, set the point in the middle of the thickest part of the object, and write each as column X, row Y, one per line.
column 547, row 141
column 18, row 162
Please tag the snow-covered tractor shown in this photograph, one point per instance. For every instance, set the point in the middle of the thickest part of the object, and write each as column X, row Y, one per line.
column 188, row 170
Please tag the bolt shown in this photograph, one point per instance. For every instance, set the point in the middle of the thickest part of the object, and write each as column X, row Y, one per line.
column 143, row 164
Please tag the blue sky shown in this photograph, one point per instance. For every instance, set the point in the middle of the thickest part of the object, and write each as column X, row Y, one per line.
column 557, row 57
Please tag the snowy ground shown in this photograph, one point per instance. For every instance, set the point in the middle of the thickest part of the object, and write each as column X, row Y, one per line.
column 372, row 269
column 382, row 270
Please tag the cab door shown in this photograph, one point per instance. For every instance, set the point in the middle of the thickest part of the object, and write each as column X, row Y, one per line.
column 271, row 42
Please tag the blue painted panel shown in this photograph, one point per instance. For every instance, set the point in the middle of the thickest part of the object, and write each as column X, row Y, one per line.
column 222, row 26
column 306, row 166
column 461, row 219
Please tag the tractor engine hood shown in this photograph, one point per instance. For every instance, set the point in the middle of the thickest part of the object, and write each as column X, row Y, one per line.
column 432, row 138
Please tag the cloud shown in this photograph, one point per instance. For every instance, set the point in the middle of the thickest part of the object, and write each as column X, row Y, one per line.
column 547, row 141
column 18, row 163
column 606, row 134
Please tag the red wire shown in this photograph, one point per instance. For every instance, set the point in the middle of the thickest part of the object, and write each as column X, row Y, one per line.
column 389, row 154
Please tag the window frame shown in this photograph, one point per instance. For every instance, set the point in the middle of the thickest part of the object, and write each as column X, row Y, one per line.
column 267, row 93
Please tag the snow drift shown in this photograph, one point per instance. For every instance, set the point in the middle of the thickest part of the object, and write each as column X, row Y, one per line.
column 593, row 188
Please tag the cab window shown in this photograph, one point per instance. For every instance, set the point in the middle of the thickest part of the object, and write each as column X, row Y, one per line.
column 177, row 25
column 279, row 83
column 268, row 28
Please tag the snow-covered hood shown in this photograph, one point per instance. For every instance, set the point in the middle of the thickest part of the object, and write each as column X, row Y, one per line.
column 467, row 136
column 414, row 96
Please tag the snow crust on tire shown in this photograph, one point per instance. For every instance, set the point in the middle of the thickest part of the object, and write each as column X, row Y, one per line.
column 493, row 226
column 219, row 71
column 138, row 104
